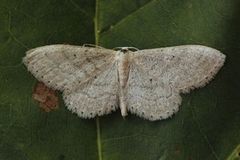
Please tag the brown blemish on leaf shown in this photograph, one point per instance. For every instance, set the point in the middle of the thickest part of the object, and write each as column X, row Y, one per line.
column 46, row 97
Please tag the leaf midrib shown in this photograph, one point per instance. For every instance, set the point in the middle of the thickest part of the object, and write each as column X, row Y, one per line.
column 96, row 30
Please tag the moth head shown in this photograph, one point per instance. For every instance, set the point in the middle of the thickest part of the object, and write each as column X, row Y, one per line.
column 126, row 49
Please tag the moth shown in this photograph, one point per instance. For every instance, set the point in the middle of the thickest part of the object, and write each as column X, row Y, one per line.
column 96, row 81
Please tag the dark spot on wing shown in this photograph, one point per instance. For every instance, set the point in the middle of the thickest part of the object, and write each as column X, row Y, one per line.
column 88, row 60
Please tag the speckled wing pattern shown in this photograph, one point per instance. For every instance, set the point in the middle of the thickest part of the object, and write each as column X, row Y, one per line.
column 87, row 76
column 158, row 76
column 153, row 78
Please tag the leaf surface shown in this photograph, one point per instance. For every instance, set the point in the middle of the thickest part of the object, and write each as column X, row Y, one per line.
column 207, row 125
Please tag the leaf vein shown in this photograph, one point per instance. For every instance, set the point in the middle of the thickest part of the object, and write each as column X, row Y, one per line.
column 202, row 133
column 109, row 28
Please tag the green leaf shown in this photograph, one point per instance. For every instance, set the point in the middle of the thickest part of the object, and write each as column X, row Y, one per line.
column 207, row 125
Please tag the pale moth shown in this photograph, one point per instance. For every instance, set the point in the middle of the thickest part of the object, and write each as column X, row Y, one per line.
column 96, row 81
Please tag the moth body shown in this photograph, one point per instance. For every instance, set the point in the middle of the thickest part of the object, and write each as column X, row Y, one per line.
column 123, row 71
